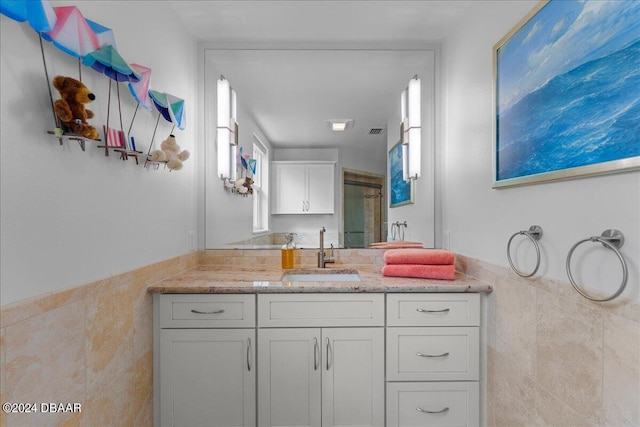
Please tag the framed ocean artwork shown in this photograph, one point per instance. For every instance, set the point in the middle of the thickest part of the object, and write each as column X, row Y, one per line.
column 567, row 93
column 401, row 191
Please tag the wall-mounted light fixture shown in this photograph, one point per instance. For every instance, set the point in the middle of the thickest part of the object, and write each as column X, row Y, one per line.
column 411, row 130
column 227, row 134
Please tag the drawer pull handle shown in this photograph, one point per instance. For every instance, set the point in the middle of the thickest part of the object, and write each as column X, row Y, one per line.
column 422, row 310
column 432, row 355
column 249, row 358
column 424, row 411
column 207, row 312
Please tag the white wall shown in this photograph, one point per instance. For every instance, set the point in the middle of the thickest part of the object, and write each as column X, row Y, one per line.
column 480, row 219
column 69, row 217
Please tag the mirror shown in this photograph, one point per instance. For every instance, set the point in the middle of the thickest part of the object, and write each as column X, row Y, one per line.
column 285, row 100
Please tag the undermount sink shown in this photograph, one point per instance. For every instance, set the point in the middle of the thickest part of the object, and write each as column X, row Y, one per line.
column 328, row 275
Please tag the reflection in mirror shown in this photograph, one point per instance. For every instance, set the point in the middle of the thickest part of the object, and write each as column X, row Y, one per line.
column 285, row 101
column 364, row 213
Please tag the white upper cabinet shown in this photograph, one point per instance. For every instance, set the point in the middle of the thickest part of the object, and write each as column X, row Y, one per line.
column 303, row 188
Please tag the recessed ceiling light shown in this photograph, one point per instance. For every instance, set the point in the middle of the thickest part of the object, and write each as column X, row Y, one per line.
column 340, row 125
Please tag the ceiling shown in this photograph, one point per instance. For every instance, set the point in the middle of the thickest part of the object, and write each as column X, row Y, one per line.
column 291, row 93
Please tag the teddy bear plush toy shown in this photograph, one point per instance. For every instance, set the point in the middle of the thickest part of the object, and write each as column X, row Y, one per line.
column 70, row 109
column 170, row 152
column 243, row 185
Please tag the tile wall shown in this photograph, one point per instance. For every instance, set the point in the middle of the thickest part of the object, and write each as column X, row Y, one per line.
column 91, row 345
column 554, row 358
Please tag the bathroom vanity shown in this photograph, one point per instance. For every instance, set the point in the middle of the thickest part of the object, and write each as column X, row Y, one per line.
column 382, row 351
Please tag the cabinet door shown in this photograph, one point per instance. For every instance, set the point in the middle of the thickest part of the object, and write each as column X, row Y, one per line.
column 207, row 377
column 353, row 377
column 290, row 189
column 320, row 189
column 289, row 375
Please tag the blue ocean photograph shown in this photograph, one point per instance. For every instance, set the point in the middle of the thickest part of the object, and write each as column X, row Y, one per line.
column 401, row 190
column 568, row 89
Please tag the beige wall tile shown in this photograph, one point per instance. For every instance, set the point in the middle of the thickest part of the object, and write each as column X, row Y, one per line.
column 512, row 394
column 143, row 390
column 569, row 353
column 109, row 353
column 621, row 371
column 552, row 412
column 45, row 362
column 2, row 380
column 515, row 323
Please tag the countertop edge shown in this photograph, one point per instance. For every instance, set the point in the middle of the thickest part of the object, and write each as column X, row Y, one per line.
column 444, row 288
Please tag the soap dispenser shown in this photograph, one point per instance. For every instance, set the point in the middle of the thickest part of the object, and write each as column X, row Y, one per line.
column 287, row 251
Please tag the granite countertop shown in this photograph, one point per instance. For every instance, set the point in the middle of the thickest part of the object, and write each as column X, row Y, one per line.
column 207, row 279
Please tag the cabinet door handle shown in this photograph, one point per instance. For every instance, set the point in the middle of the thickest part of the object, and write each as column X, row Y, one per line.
column 422, row 310
column 208, row 312
column 432, row 355
column 328, row 351
column 424, row 411
column 315, row 353
column 249, row 354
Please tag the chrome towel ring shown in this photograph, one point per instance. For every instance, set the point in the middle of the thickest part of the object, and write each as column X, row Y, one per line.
column 612, row 239
column 534, row 233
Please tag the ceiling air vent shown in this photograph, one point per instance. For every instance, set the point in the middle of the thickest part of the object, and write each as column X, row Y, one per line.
column 375, row 131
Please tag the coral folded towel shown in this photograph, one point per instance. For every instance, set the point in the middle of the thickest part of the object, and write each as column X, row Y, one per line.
column 419, row 256
column 440, row 272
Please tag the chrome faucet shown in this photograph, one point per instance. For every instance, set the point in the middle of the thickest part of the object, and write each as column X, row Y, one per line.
column 323, row 259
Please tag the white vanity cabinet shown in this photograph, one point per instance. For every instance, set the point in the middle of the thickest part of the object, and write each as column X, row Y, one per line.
column 317, row 359
column 205, row 360
column 433, row 359
column 303, row 187
column 321, row 360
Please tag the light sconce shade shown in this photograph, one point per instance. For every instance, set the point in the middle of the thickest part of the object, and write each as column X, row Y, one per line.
column 411, row 130
column 227, row 130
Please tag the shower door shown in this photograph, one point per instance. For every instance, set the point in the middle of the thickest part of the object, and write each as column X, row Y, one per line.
column 362, row 214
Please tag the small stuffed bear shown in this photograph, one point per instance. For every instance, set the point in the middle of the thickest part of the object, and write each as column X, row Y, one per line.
column 170, row 152
column 243, row 185
column 70, row 109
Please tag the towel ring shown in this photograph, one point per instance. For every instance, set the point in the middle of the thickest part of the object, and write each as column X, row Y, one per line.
column 534, row 233
column 612, row 239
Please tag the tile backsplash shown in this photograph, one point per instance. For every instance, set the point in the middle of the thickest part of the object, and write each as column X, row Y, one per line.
column 553, row 357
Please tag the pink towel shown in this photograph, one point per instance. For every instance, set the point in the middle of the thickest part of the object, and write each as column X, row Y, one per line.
column 440, row 272
column 419, row 256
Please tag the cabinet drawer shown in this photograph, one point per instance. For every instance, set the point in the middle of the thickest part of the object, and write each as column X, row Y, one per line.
column 433, row 404
column 303, row 310
column 433, row 309
column 207, row 311
column 433, row 354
